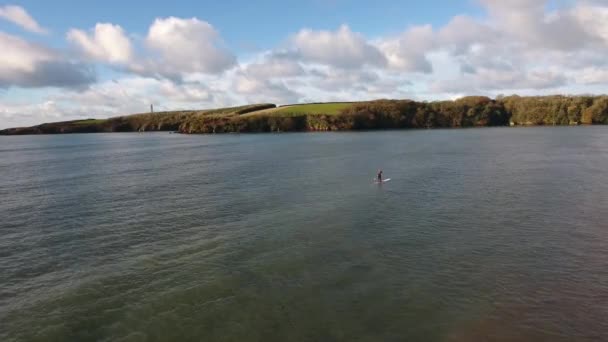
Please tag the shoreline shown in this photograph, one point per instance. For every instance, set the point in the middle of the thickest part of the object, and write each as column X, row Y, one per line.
column 472, row 111
column 314, row 131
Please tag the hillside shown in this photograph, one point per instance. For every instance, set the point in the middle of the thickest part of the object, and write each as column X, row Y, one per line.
column 473, row 111
column 159, row 121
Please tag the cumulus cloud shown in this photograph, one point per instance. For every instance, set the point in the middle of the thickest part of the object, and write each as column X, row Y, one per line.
column 592, row 75
column 191, row 92
column 593, row 17
column 19, row 16
column 188, row 45
column 529, row 22
column 135, row 94
column 26, row 64
column 26, row 114
column 522, row 45
column 106, row 43
column 255, row 90
column 408, row 52
column 463, row 34
column 126, row 95
column 491, row 80
column 334, row 80
column 174, row 47
column 274, row 66
column 342, row 48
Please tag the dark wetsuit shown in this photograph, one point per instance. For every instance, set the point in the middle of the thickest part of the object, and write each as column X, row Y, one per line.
column 380, row 176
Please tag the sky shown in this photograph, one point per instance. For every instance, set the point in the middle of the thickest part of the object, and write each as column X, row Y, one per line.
column 69, row 59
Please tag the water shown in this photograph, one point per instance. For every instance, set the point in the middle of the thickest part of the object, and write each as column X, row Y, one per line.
column 495, row 234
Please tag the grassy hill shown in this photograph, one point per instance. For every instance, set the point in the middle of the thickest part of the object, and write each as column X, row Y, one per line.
column 159, row 121
column 329, row 108
column 470, row 111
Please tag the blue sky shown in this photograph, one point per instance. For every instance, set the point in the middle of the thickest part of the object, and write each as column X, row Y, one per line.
column 68, row 59
column 261, row 24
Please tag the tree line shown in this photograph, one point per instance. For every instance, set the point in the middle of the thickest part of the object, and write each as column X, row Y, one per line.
column 472, row 111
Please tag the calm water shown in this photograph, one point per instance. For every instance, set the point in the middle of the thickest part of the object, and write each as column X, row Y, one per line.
column 496, row 234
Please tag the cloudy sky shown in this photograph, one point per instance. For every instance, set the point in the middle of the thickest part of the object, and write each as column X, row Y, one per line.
column 69, row 59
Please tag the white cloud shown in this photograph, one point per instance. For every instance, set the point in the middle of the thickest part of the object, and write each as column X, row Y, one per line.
column 135, row 94
column 129, row 94
column 173, row 48
column 273, row 66
column 408, row 51
column 106, row 43
column 530, row 23
column 19, row 55
column 521, row 45
column 593, row 18
column 463, row 34
column 123, row 96
column 256, row 91
column 26, row 114
column 370, row 81
column 592, row 75
column 19, row 16
column 342, row 48
column 26, row 64
column 185, row 92
column 188, row 45
column 489, row 80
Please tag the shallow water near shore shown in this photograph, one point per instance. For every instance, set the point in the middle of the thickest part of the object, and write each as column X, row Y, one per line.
column 496, row 234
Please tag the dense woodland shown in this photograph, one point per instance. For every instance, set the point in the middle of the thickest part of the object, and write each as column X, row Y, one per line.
column 473, row 111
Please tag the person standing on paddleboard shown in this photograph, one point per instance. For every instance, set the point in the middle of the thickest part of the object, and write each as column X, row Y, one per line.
column 379, row 175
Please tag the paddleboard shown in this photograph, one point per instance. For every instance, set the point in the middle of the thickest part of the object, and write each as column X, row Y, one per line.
column 383, row 181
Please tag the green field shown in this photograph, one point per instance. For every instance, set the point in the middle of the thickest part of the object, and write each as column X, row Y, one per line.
column 89, row 122
column 332, row 108
column 315, row 108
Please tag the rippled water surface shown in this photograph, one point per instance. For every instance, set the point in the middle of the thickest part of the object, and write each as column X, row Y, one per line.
column 495, row 234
